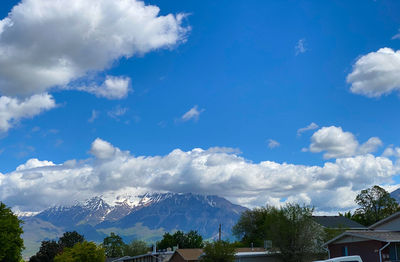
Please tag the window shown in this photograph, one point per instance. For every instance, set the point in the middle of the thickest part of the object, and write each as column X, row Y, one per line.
column 345, row 251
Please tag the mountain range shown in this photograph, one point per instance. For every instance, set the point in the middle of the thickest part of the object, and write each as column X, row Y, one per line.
column 146, row 217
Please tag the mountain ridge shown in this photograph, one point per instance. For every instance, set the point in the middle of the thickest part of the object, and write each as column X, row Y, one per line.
column 144, row 217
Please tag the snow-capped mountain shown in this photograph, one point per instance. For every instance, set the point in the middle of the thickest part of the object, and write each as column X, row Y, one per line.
column 180, row 211
column 145, row 217
column 96, row 210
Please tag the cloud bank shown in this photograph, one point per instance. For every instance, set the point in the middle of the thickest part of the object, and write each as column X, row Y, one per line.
column 37, row 184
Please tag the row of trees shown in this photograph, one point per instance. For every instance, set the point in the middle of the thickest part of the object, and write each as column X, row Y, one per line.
column 295, row 234
column 180, row 239
column 114, row 246
column 74, row 247
column 71, row 246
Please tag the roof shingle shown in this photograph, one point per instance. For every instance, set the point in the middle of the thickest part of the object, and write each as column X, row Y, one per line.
column 337, row 222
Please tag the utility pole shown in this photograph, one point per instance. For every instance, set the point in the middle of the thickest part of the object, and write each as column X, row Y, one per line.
column 219, row 233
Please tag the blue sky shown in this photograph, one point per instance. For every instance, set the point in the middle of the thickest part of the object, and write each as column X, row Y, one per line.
column 251, row 72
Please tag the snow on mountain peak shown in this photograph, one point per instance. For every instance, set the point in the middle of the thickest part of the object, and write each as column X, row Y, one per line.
column 96, row 203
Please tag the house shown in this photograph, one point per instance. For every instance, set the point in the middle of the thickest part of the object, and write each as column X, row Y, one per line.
column 381, row 242
column 149, row 257
column 241, row 255
column 186, row 255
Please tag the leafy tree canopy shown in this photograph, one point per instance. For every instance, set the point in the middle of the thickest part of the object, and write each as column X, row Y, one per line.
column 113, row 245
column 69, row 239
column 85, row 251
column 375, row 203
column 48, row 250
column 192, row 239
column 253, row 225
column 218, row 251
column 135, row 248
column 11, row 243
column 295, row 233
column 291, row 228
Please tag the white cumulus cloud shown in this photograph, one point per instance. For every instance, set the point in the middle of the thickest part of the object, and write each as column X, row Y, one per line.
column 337, row 143
column 391, row 151
column 12, row 110
column 37, row 184
column 46, row 43
column 376, row 74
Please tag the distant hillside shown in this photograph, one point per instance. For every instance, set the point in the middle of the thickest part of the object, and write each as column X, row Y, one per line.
column 147, row 218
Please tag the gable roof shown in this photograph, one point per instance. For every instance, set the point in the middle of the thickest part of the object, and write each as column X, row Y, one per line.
column 385, row 220
column 337, row 222
column 190, row 253
column 384, row 236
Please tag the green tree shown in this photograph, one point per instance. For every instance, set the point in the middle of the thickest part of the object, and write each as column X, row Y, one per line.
column 47, row 252
column 291, row 228
column 69, row 239
column 295, row 233
column 113, row 245
column 375, row 203
column 192, row 239
column 82, row 252
column 11, row 243
column 218, row 251
column 167, row 241
column 253, row 225
column 49, row 249
column 136, row 247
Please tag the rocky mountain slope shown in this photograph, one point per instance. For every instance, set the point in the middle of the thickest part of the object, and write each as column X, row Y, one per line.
column 144, row 217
